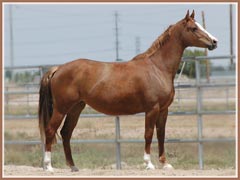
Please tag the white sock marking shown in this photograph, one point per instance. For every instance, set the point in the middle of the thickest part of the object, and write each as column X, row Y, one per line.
column 47, row 161
column 148, row 162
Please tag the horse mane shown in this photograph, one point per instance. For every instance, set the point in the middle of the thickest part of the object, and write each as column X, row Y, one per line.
column 158, row 43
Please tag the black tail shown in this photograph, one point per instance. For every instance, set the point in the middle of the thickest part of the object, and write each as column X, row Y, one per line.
column 45, row 108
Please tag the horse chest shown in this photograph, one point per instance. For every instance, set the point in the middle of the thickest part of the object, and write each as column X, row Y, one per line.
column 166, row 98
column 162, row 93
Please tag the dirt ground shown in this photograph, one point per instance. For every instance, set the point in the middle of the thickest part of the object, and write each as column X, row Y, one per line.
column 27, row 171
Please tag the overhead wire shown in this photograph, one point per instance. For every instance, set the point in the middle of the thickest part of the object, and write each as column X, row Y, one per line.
column 42, row 55
column 57, row 41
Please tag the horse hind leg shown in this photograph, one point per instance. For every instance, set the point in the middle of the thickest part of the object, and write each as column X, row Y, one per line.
column 66, row 132
column 50, row 132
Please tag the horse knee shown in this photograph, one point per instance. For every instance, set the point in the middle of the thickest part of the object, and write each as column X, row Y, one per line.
column 148, row 135
column 148, row 140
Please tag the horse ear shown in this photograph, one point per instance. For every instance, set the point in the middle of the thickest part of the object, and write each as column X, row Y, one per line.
column 193, row 14
column 187, row 15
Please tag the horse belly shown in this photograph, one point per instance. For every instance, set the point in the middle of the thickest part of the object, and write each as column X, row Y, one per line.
column 116, row 106
column 114, row 110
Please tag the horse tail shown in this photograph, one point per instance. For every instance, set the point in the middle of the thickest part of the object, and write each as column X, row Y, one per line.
column 45, row 108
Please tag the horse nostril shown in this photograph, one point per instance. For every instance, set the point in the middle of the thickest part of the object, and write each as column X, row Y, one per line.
column 214, row 42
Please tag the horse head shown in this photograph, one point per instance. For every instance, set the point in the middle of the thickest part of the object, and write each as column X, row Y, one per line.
column 193, row 34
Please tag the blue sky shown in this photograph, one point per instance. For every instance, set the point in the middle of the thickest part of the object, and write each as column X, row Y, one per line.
column 59, row 33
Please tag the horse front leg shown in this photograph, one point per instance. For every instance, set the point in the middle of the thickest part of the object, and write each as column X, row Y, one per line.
column 160, row 127
column 150, row 121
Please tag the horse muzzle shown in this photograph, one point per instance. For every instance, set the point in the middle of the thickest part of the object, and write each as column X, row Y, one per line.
column 213, row 45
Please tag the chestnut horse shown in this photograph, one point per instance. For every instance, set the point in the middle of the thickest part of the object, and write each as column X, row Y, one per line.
column 143, row 84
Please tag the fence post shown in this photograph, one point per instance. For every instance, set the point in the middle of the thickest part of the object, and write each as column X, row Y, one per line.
column 28, row 107
column 117, row 137
column 178, row 97
column 199, row 113
column 41, row 71
column 6, row 100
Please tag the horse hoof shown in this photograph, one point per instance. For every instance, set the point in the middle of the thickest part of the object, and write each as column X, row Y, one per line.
column 48, row 169
column 167, row 166
column 74, row 169
column 150, row 166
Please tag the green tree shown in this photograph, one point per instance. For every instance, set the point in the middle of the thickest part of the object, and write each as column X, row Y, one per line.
column 8, row 74
column 23, row 77
column 189, row 68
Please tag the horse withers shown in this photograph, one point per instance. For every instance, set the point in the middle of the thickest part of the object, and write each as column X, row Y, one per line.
column 143, row 84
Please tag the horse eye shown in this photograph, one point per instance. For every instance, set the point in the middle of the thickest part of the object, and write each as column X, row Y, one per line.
column 194, row 29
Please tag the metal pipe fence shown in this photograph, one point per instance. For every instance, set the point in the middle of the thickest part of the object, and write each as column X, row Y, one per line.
column 199, row 112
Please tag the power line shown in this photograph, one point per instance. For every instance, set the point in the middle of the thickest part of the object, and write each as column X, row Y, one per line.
column 137, row 44
column 116, row 36
column 57, row 41
column 231, row 34
column 11, row 37
column 64, row 54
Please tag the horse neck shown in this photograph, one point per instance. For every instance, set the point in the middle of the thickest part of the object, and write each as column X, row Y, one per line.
column 168, row 57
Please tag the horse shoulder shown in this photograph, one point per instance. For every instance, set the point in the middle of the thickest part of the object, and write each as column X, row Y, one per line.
column 159, row 86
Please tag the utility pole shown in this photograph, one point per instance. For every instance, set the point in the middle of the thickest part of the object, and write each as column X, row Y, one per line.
column 231, row 35
column 11, row 36
column 117, row 119
column 137, row 44
column 116, row 36
column 206, row 52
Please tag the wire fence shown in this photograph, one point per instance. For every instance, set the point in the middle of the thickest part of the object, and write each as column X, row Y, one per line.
column 191, row 99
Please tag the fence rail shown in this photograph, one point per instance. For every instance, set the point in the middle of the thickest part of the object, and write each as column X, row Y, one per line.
column 183, row 113
column 199, row 112
column 31, row 142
